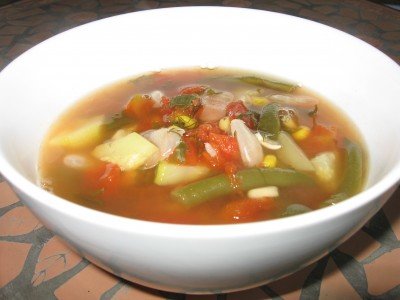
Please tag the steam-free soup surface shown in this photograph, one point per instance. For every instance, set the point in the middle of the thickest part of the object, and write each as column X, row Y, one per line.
column 201, row 146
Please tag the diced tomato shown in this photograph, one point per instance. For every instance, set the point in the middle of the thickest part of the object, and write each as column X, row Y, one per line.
column 139, row 107
column 231, row 169
column 204, row 130
column 246, row 210
column 320, row 139
column 102, row 180
column 198, row 89
column 214, row 161
column 237, row 110
column 165, row 101
column 191, row 155
column 227, row 145
column 165, row 109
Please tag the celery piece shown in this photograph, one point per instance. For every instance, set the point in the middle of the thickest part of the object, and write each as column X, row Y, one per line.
column 128, row 152
column 170, row 174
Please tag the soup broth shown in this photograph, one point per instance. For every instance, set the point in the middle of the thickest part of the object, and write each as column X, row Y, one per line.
column 202, row 146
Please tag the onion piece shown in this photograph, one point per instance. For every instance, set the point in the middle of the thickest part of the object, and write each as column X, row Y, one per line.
column 210, row 149
column 300, row 101
column 250, row 148
column 166, row 139
column 267, row 142
column 157, row 97
column 214, row 106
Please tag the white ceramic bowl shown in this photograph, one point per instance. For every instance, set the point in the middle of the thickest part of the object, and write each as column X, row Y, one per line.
column 41, row 83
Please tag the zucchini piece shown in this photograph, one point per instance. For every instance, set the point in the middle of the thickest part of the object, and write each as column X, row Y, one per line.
column 169, row 174
column 128, row 152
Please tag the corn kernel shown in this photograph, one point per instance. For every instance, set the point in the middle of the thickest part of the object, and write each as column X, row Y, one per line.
column 270, row 161
column 185, row 122
column 225, row 124
column 302, row 133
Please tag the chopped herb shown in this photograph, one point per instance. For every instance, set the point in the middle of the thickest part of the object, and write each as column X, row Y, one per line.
column 249, row 114
column 182, row 100
column 141, row 78
column 314, row 112
column 185, row 122
column 271, row 84
column 117, row 121
column 211, row 92
column 269, row 120
column 180, row 152
column 92, row 198
column 177, row 130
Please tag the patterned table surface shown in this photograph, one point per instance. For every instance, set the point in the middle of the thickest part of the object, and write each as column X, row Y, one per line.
column 35, row 264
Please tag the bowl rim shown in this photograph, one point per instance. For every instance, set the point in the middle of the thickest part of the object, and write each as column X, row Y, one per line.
column 388, row 181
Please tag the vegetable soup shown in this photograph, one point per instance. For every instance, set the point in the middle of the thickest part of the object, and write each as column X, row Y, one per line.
column 203, row 146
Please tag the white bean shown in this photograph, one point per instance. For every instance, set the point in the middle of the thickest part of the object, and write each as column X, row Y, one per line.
column 267, row 191
column 76, row 161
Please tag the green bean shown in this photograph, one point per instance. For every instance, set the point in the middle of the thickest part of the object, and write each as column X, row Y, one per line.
column 295, row 209
column 352, row 178
column 269, row 120
column 268, row 83
column 220, row 185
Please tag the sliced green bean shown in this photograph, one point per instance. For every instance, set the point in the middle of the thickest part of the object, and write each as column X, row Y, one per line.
column 268, row 83
column 220, row 185
column 353, row 173
column 295, row 209
column 269, row 120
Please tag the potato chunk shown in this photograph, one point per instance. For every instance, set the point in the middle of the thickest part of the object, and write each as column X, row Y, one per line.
column 88, row 134
column 128, row 152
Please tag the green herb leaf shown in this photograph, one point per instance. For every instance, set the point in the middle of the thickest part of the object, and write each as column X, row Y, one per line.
column 182, row 100
column 314, row 112
column 269, row 120
column 117, row 121
column 180, row 152
column 249, row 114
column 210, row 91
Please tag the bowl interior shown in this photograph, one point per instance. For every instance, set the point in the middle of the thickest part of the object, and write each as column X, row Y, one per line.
column 47, row 79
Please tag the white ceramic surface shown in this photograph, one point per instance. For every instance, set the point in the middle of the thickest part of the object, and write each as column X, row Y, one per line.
column 41, row 83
